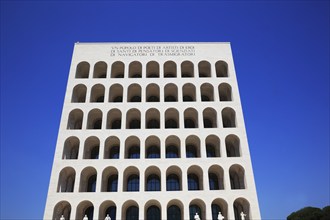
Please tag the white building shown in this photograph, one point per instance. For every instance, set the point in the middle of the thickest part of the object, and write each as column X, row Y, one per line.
column 152, row 131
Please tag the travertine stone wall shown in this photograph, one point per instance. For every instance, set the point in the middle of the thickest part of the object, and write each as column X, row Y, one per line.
column 152, row 131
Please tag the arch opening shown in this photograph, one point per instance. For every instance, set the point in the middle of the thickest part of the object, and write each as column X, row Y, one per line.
column 82, row 70
column 100, row 70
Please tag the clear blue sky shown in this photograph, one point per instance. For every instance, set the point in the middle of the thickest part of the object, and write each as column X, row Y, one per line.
column 281, row 53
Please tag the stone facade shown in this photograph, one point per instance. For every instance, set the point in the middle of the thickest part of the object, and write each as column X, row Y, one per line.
column 152, row 131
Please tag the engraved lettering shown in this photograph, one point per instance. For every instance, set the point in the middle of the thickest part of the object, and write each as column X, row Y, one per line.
column 152, row 50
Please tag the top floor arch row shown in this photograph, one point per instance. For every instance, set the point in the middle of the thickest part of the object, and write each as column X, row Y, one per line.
column 150, row 69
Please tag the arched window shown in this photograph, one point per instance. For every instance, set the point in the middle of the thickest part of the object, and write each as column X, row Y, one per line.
column 225, row 92
column 172, row 152
column 152, row 146
column 241, row 205
column 171, row 118
column 109, row 181
column 88, row 180
column 75, row 119
column 91, row 187
column 66, row 180
column 204, row 69
column 189, row 92
column 233, row 146
column 153, row 213
column 133, row 183
column 153, row 183
column 117, row 70
column 152, row 69
column 133, row 119
column 79, row 93
column 237, row 179
column 170, row 93
column 212, row 143
column 100, row 70
column 91, row 150
column 134, row 93
column 210, row 118
column 71, row 148
column 111, row 211
column 219, row 205
column 97, row 93
column 153, row 152
column 113, row 183
column 215, row 174
column 173, row 213
column 190, row 118
column 221, row 68
column 152, row 93
column 207, row 92
column 94, row 120
column 135, row 70
column 114, row 119
column 193, row 182
column 208, row 122
column 116, row 93
column 169, row 69
column 85, row 208
column 152, row 179
column 152, row 119
column 192, row 147
column 134, row 152
column 132, row 148
column 172, row 144
column 82, row 70
column 172, row 183
column 62, row 208
column 111, row 148
column 228, row 118
column 187, row 69
column 132, row 213
column 193, row 209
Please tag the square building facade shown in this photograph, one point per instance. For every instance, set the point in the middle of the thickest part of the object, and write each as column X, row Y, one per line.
column 152, row 131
